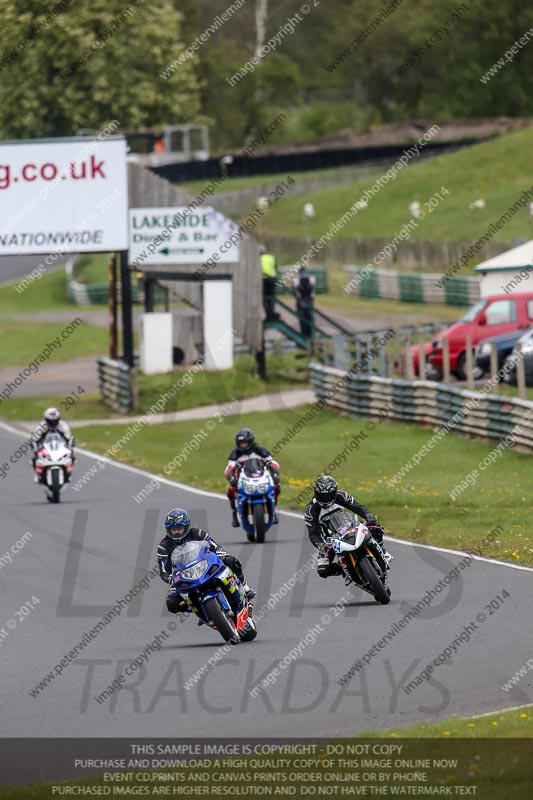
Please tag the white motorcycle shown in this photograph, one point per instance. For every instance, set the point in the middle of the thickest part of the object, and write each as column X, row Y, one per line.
column 53, row 465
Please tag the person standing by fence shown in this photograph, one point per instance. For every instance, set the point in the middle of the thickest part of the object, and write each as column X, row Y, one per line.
column 270, row 272
column 304, row 290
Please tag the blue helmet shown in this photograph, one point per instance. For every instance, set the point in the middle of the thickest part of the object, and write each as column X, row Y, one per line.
column 177, row 523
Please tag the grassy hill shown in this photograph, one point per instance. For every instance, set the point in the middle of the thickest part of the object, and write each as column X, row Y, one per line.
column 495, row 170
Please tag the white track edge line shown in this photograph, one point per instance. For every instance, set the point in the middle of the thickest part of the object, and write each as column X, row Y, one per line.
column 207, row 493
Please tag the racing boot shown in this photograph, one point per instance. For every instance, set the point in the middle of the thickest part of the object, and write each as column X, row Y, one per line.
column 235, row 520
column 250, row 594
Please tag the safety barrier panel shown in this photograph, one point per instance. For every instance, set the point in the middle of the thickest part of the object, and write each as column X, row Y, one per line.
column 118, row 384
column 426, row 403
column 86, row 294
column 412, row 287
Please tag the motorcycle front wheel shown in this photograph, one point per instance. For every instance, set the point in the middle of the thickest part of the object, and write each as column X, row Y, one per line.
column 225, row 625
column 54, row 491
column 379, row 591
column 259, row 522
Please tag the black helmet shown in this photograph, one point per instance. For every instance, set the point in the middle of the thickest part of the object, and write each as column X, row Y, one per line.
column 244, row 440
column 177, row 524
column 325, row 488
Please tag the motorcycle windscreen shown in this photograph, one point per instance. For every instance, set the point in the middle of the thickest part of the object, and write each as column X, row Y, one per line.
column 341, row 525
column 187, row 553
column 53, row 441
column 253, row 468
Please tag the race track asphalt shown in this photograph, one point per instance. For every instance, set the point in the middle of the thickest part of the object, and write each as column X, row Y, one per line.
column 88, row 551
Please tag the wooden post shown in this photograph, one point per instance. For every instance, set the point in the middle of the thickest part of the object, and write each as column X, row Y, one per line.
column 409, row 372
column 445, row 360
column 112, row 273
column 421, row 360
column 493, row 359
column 469, row 363
column 127, row 318
column 520, row 372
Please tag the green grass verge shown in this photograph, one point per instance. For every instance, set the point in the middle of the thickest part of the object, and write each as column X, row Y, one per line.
column 93, row 268
column 44, row 294
column 234, row 184
column 492, row 170
column 507, row 724
column 419, row 509
column 206, row 388
column 27, row 339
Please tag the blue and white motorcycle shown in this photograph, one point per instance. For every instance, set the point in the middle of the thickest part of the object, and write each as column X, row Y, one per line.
column 255, row 499
column 213, row 592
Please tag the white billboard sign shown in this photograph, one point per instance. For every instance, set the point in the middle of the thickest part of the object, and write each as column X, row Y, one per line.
column 182, row 236
column 67, row 195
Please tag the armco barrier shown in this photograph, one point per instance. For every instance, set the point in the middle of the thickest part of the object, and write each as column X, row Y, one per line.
column 412, row 287
column 86, row 294
column 426, row 403
column 118, row 384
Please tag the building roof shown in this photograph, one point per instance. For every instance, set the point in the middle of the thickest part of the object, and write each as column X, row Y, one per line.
column 520, row 257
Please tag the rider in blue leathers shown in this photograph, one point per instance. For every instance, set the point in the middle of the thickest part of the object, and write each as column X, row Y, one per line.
column 178, row 531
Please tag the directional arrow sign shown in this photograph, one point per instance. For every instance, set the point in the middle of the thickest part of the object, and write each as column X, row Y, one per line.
column 168, row 251
column 182, row 236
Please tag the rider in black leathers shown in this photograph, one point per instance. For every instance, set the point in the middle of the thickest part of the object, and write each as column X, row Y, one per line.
column 178, row 531
column 326, row 494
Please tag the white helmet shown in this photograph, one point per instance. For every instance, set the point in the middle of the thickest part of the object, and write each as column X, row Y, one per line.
column 52, row 416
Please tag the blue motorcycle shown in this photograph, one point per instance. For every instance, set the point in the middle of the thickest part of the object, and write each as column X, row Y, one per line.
column 213, row 592
column 255, row 499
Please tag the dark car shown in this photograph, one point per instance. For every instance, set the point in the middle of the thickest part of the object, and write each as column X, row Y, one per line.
column 526, row 343
column 504, row 346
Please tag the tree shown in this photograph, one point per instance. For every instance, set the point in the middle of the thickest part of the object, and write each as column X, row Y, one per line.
column 81, row 65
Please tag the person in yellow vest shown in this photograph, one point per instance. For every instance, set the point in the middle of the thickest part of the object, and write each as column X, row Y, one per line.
column 270, row 272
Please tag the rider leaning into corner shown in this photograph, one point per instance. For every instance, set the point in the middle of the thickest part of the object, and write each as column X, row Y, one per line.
column 51, row 422
column 178, row 531
column 246, row 447
column 326, row 496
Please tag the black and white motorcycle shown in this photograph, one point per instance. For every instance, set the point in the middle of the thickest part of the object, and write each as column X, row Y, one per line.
column 53, row 465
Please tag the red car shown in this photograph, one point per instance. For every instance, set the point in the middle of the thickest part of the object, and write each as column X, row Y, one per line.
column 499, row 313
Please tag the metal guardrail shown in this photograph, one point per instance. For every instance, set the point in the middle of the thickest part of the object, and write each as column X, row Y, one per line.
column 118, row 384
column 431, row 287
column 426, row 403
column 381, row 351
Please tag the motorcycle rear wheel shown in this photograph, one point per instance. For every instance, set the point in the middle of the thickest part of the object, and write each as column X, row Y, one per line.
column 259, row 523
column 380, row 592
column 249, row 632
column 225, row 626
